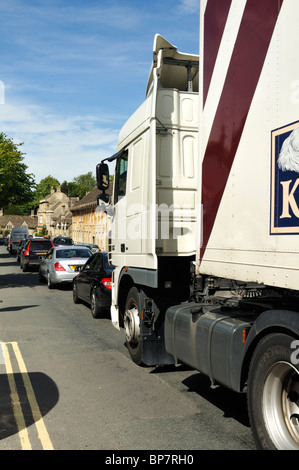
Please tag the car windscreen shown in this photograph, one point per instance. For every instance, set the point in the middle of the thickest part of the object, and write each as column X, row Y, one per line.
column 72, row 253
column 18, row 235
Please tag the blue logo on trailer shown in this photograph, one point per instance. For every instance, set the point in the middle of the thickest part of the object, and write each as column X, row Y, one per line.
column 285, row 180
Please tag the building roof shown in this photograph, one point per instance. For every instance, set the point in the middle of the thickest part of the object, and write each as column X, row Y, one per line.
column 89, row 200
column 19, row 220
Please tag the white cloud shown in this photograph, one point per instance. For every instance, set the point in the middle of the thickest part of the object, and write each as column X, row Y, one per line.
column 57, row 146
column 74, row 71
column 189, row 6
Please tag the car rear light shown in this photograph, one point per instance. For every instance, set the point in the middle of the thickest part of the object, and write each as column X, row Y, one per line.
column 58, row 267
column 26, row 253
column 107, row 282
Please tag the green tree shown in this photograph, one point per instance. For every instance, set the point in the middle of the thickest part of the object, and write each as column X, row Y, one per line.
column 79, row 186
column 85, row 183
column 70, row 189
column 44, row 188
column 16, row 185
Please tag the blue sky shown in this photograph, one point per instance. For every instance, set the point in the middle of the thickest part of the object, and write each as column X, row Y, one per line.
column 73, row 71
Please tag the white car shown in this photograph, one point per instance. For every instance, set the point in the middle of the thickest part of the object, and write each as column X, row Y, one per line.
column 62, row 264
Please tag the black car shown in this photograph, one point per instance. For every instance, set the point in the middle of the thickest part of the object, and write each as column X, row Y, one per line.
column 63, row 241
column 93, row 284
column 34, row 250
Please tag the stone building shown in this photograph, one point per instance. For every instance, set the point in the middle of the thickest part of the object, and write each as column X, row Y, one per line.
column 89, row 224
column 54, row 214
column 7, row 222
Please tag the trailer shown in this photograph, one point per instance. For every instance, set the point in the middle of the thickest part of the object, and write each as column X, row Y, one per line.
column 205, row 212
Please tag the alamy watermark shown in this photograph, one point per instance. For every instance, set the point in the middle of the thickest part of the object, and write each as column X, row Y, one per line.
column 295, row 354
column 2, row 92
column 156, row 221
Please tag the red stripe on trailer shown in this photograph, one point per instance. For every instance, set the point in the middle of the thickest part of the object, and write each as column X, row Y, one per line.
column 248, row 57
column 216, row 14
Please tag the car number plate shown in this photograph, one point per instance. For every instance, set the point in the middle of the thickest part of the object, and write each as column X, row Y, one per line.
column 44, row 253
column 74, row 267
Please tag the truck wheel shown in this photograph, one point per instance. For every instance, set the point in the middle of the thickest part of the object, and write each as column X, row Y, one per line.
column 132, row 325
column 273, row 394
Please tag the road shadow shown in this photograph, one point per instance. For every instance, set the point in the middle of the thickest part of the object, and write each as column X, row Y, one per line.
column 15, row 309
column 29, row 279
column 46, row 394
column 232, row 404
column 8, row 263
column 6, row 255
column 104, row 314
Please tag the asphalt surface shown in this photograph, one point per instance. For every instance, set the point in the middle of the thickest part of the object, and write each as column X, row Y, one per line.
column 67, row 383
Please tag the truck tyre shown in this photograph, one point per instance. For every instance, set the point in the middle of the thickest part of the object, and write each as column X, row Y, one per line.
column 273, row 394
column 132, row 325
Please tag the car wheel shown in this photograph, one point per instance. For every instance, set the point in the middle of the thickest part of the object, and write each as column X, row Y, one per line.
column 24, row 268
column 40, row 276
column 96, row 311
column 75, row 294
column 50, row 283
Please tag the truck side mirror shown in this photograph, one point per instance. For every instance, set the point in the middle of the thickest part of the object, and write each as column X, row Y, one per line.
column 102, row 171
column 102, row 176
column 103, row 197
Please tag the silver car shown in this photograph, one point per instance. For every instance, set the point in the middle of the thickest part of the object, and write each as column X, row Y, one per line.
column 62, row 264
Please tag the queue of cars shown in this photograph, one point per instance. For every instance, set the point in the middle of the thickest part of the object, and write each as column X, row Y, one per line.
column 60, row 261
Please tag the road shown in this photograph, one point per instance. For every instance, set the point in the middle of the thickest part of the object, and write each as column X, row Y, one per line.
column 67, row 383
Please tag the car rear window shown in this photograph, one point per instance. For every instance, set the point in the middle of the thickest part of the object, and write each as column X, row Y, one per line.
column 72, row 253
column 42, row 245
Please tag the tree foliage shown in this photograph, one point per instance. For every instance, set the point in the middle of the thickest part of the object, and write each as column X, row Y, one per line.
column 16, row 185
column 44, row 188
column 79, row 186
column 18, row 191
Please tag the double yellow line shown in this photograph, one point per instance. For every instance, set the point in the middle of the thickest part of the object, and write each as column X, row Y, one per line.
column 16, row 405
